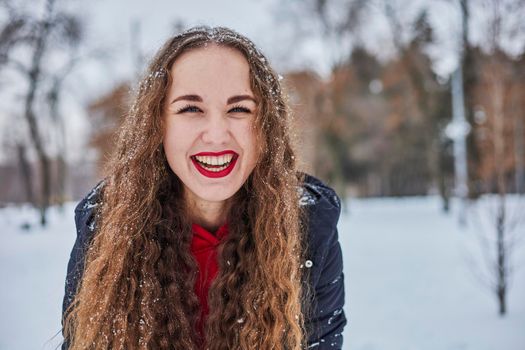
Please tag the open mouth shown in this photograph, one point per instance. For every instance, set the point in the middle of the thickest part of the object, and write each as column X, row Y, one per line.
column 215, row 164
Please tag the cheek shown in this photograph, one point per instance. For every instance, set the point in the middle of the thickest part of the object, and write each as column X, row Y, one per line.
column 175, row 139
column 248, row 140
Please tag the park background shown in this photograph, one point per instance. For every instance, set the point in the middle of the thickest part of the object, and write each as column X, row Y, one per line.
column 414, row 111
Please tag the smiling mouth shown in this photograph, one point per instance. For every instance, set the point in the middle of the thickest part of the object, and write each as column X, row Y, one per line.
column 215, row 165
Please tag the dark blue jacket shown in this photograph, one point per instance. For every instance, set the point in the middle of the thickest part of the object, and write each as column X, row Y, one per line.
column 324, row 262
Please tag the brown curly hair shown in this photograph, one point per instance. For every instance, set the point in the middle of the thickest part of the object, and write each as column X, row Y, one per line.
column 137, row 290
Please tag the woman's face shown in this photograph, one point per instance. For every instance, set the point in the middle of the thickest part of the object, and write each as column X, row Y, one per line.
column 209, row 137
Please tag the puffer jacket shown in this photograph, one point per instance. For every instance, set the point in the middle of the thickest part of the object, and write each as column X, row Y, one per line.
column 324, row 263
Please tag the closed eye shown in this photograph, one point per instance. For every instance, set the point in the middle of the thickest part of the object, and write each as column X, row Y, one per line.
column 189, row 108
column 239, row 109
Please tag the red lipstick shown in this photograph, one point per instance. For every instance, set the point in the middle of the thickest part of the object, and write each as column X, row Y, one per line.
column 215, row 174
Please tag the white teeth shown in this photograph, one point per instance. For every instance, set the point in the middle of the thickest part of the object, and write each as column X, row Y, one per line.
column 215, row 170
column 209, row 160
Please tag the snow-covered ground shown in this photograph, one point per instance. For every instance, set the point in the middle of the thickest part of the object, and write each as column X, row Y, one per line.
column 409, row 286
column 408, row 283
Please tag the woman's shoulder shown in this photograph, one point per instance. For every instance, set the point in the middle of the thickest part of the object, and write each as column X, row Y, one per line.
column 85, row 211
column 323, row 254
column 92, row 199
column 321, row 201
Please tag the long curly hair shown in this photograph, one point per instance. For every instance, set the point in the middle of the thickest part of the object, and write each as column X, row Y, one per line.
column 137, row 290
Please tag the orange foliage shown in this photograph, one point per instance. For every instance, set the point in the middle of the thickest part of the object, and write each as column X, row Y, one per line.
column 107, row 114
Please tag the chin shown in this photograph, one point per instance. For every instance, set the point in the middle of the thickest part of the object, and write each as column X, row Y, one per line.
column 214, row 196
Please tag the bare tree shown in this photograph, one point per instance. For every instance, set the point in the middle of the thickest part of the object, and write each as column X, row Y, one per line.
column 12, row 32
column 55, row 31
column 42, row 30
column 496, row 87
column 54, row 96
column 495, row 94
column 493, row 258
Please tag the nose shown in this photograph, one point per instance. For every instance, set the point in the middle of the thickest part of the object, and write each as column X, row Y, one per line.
column 216, row 129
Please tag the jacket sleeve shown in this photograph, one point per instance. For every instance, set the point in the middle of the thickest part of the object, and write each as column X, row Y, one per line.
column 328, row 318
column 325, row 318
column 85, row 227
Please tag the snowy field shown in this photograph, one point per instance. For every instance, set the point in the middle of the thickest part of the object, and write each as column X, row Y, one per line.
column 408, row 283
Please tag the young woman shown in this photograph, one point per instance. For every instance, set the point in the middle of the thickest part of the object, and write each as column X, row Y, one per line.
column 204, row 235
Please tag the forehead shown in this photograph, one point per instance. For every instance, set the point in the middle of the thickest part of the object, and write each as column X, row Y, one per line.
column 211, row 67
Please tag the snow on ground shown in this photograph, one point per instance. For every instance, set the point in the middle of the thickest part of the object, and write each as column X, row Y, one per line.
column 408, row 286
column 32, row 273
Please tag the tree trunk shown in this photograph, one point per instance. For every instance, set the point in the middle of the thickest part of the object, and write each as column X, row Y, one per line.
column 61, row 167
column 501, row 254
column 61, row 179
column 519, row 151
column 470, row 80
column 497, row 94
column 46, row 187
column 25, row 169
column 35, row 133
column 39, row 147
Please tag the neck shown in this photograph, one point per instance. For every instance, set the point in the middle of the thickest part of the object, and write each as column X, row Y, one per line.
column 207, row 214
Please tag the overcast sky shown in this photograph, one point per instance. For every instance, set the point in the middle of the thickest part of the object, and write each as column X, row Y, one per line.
column 110, row 24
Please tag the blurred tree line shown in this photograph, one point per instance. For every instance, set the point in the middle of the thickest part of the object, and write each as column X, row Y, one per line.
column 382, row 126
column 371, row 127
column 379, row 128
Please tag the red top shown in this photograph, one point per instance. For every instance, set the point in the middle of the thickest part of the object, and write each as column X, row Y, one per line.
column 204, row 249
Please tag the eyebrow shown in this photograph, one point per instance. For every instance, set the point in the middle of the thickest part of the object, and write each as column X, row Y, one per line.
column 194, row 98
column 239, row 98
column 197, row 98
